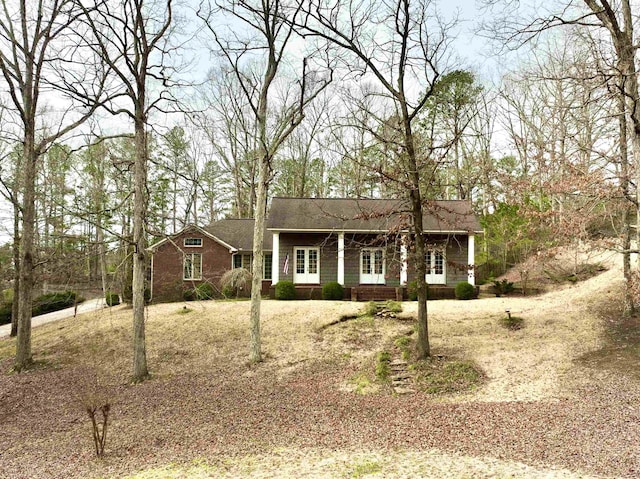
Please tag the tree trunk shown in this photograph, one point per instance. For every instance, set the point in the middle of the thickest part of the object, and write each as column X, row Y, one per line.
column 415, row 197
column 102, row 256
column 16, row 263
column 27, row 247
column 629, row 306
column 255, row 354
column 140, row 371
column 423, row 347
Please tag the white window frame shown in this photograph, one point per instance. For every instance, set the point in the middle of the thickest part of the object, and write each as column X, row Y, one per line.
column 246, row 262
column 372, row 277
column 432, row 277
column 184, row 267
column 184, row 242
column 305, row 277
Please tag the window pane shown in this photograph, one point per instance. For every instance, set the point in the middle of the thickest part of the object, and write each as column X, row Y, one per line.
column 300, row 261
column 267, row 263
column 378, row 262
column 246, row 262
column 188, row 269
column 193, row 241
column 313, row 261
column 197, row 266
column 366, row 262
column 428, row 261
column 439, row 262
column 237, row 261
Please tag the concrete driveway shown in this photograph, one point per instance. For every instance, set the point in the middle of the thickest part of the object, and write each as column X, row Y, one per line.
column 89, row 305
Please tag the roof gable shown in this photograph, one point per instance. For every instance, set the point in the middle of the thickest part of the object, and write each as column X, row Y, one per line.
column 198, row 230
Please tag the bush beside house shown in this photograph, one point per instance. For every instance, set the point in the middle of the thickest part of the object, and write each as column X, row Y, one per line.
column 285, row 290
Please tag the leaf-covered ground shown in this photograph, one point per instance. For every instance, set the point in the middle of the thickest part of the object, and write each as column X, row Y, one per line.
column 544, row 410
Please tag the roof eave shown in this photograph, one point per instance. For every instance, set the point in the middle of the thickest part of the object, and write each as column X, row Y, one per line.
column 364, row 231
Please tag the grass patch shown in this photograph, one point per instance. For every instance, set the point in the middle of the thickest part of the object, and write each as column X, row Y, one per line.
column 363, row 385
column 365, row 468
column 511, row 322
column 370, row 309
column 393, row 306
column 404, row 344
column 383, row 370
column 438, row 375
column 185, row 310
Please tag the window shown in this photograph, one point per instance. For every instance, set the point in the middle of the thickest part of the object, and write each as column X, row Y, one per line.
column 436, row 267
column 245, row 261
column 372, row 266
column 267, row 266
column 242, row 261
column 193, row 241
column 192, row 266
column 307, row 265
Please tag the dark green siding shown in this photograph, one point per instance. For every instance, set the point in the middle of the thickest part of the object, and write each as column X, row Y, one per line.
column 456, row 257
column 328, row 244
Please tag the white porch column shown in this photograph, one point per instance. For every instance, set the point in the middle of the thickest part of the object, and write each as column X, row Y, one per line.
column 403, row 264
column 341, row 258
column 275, row 259
column 471, row 260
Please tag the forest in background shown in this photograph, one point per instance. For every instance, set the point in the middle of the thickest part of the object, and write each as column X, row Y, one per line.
column 97, row 111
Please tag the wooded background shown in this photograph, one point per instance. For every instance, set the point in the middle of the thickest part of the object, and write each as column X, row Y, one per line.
column 111, row 138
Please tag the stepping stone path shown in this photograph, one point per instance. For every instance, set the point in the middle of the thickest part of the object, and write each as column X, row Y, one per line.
column 401, row 377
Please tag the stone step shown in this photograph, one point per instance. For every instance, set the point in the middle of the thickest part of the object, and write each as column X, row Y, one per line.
column 398, row 362
column 403, row 390
column 398, row 370
column 400, row 376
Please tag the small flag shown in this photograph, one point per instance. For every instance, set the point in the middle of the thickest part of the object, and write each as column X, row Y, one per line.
column 285, row 268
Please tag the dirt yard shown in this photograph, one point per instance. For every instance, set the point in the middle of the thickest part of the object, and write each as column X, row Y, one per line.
column 559, row 399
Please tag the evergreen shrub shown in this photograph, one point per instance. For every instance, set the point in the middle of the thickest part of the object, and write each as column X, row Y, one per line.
column 333, row 290
column 112, row 299
column 285, row 290
column 49, row 302
column 465, row 291
column 5, row 312
column 204, row 291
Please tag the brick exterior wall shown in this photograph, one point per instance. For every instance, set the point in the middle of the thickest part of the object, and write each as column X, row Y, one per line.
column 168, row 266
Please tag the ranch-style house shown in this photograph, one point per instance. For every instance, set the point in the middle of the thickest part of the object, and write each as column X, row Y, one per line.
column 363, row 244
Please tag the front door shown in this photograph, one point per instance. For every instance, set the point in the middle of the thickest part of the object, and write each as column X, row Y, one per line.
column 436, row 267
column 306, row 269
column 372, row 266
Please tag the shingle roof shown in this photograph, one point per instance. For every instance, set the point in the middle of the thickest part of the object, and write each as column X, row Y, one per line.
column 238, row 233
column 354, row 215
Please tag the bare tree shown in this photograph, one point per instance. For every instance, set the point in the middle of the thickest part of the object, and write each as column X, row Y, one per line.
column 131, row 37
column 270, row 23
column 611, row 23
column 301, row 166
column 41, row 51
column 231, row 127
column 403, row 45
